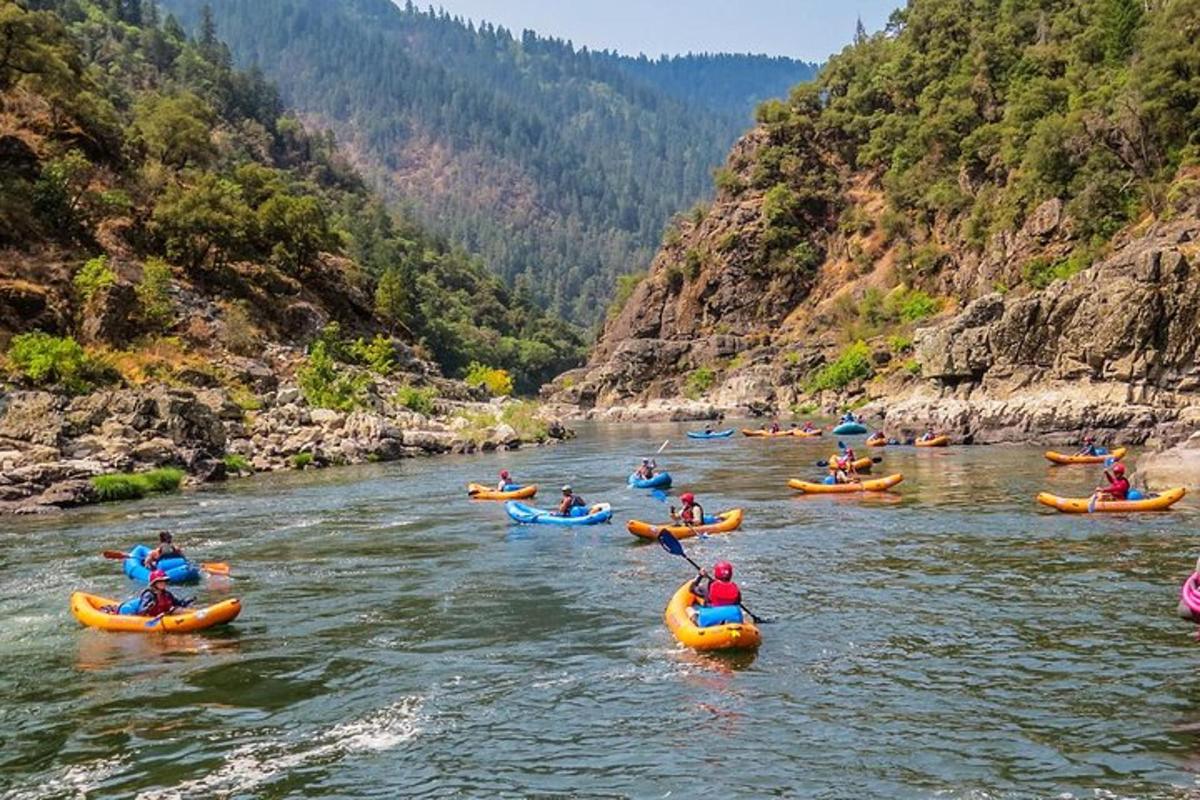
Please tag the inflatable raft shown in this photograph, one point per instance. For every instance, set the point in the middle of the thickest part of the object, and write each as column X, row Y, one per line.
column 764, row 432
column 937, row 441
column 860, row 465
column 877, row 441
column 877, row 485
column 1079, row 505
column 477, row 491
column 1062, row 458
column 528, row 515
column 849, row 429
column 727, row 636
column 724, row 522
column 807, row 434
column 660, row 481
column 1189, row 598
column 179, row 570
column 712, row 435
column 86, row 608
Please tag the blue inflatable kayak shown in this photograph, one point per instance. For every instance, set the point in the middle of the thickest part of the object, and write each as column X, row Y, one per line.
column 179, row 570
column 660, row 481
column 528, row 515
column 713, row 435
column 848, row 428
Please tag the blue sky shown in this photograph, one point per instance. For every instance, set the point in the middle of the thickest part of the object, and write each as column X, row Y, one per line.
column 807, row 29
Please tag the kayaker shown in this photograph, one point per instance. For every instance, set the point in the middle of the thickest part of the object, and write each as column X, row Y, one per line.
column 691, row 513
column 156, row 599
column 166, row 549
column 570, row 500
column 1118, row 484
column 844, row 471
column 848, row 416
column 808, row 426
column 708, row 429
column 928, row 434
column 1089, row 447
column 646, row 470
column 774, row 426
column 505, row 481
column 717, row 589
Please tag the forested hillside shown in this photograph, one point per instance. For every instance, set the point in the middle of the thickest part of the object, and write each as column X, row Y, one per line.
column 557, row 165
column 150, row 192
column 973, row 149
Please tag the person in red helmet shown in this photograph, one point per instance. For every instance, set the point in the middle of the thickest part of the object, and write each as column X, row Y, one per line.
column 155, row 599
column 1118, row 484
column 843, row 467
column 505, row 481
column 717, row 589
column 1089, row 447
column 691, row 513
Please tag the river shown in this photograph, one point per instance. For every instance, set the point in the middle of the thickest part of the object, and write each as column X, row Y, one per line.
column 950, row 639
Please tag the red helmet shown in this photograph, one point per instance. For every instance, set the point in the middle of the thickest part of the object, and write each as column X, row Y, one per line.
column 1119, row 469
column 687, row 497
column 1089, row 439
column 850, row 453
column 503, row 473
column 723, row 571
column 156, row 576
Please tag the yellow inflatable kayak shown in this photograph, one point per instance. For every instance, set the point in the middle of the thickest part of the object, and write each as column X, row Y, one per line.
column 1062, row 458
column 877, row 441
column 724, row 522
column 764, row 432
column 477, row 491
column 861, row 465
column 877, row 485
column 937, row 441
column 807, row 434
column 729, row 636
column 1079, row 505
column 86, row 608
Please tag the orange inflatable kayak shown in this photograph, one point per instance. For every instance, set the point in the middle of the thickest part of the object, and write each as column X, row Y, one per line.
column 807, row 434
column 937, row 441
column 878, row 441
column 1062, row 458
column 86, row 608
column 764, row 432
column 861, row 465
column 728, row 636
column 877, row 485
column 1079, row 505
column 477, row 491
column 724, row 522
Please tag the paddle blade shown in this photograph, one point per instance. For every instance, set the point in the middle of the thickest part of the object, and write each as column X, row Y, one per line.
column 115, row 555
column 154, row 621
column 1092, row 503
column 670, row 543
column 659, row 495
column 877, row 460
column 822, row 463
column 215, row 567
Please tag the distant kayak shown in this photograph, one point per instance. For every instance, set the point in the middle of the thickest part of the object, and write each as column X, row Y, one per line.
column 1079, row 505
column 808, row 434
column 477, row 491
column 876, row 485
column 528, row 515
column 849, row 429
column 877, row 441
column 937, row 441
column 860, row 465
column 733, row 635
column 179, row 570
column 1100, row 458
column 724, row 522
column 763, row 432
column 86, row 608
column 708, row 435
column 660, row 481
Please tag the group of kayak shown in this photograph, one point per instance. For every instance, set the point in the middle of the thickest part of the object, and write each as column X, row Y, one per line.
column 155, row 609
column 1116, row 495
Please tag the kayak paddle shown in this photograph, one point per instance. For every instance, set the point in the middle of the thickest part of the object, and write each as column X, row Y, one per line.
column 213, row 567
column 664, row 447
column 874, row 460
column 155, row 621
column 675, row 548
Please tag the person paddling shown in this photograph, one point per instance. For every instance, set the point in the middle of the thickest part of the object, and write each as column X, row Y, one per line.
column 844, row 471
column 1089, row 447
column 646, row 470
column 691, row 513
column 774, row 426
column 929, row 435
column 166, row 549
column 807, row 427
column 505, row 481
column 717, row 589
column 156, row 599
column 569, row 501
column 1118, row 484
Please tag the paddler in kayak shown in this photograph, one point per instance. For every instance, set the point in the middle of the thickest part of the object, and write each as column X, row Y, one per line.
column 774, row 426
column 1118, row 484
column 691, row 513
column 570, row 500
column 717, row 589
column 166, row 549
column 505, row 481
column 928, row 434
column 1089, row 447
column 843, row 466
column 807, row 427
column 156, row 599
column 646, row 470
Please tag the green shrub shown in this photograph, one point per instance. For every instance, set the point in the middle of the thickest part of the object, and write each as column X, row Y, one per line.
column 418, row 400
column 302, row 460
column 93, row 276
column 911, row 305
column 524, row 419
column 237, row 463
column 325, row 385
column 803, row 409
column 626, row 284
column 692, row 262
column 726, row 180
column 1041, row 272
column 791, row 358
column 497, row 381
column 52, row 360
column 899, row 343
column 154, row 293
column 132, row 485
column 244, row 399
column 912, row 366
column 854, row 363
column 699, row 381
column 377, row 355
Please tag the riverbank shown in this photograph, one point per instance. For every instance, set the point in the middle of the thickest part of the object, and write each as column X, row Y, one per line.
column 53, row 446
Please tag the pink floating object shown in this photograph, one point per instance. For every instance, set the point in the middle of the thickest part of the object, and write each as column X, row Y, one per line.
column 1190, row 594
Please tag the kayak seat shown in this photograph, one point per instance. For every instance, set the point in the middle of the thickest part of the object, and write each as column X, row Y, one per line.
column 707, row 616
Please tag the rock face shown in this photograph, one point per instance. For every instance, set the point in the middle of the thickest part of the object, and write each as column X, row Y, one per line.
column 1176, row 466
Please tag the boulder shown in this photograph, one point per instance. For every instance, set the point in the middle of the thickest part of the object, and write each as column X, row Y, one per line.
column 109, row 316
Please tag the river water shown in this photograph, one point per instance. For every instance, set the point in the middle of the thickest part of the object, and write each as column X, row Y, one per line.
column 949, row 639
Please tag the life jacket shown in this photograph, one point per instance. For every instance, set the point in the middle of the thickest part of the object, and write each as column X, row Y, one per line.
column 1119, row 488
column 688, row 517
column 723, row 593
column 155, row 604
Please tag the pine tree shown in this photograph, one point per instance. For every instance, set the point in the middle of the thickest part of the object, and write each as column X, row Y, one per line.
column 860, row 33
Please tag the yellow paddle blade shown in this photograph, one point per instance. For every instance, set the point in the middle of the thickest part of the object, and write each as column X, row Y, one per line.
column 215, row 567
